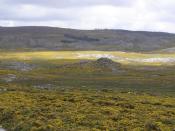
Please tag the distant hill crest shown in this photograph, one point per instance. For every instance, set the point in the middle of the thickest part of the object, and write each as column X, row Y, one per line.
column 51, row 38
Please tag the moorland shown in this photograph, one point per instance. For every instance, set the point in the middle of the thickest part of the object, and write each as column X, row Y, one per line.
column 50, row 90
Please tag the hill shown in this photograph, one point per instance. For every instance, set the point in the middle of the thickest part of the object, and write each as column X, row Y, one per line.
column 88, row 66
column 50, row 38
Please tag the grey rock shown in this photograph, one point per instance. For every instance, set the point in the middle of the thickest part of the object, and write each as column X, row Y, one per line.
column 9, row 78
column 20, row 66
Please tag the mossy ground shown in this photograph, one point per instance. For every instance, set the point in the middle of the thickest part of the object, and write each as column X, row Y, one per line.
column 53, row 98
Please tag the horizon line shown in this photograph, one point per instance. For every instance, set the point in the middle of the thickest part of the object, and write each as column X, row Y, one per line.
column 95, row 29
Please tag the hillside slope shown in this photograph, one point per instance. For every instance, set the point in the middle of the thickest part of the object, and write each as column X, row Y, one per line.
column 50, row 38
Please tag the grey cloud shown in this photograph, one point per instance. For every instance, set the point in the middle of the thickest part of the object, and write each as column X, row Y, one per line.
column 70, row 3
column 154, row 15
column 31, row 15
column 164, row 10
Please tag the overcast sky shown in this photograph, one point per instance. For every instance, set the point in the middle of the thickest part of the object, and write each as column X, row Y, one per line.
column 150, row 15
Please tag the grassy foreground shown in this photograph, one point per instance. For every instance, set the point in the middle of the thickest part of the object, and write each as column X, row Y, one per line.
column 80, row 109
column 38, row 92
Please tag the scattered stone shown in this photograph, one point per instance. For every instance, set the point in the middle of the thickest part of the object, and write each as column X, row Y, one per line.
column 20, row 66
column 3, row 89
column 1, row 129
column 107, row 63
column 9, row 78
column 44, row 87
column 100, row 65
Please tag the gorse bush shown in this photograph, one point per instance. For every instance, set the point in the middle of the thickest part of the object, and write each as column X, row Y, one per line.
column 81, row 109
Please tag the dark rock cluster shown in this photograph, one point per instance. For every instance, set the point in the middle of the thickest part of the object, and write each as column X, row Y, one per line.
column 108, row 64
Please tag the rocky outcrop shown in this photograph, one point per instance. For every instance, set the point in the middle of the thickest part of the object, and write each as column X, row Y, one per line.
column 107, row 64
column 98, row 66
